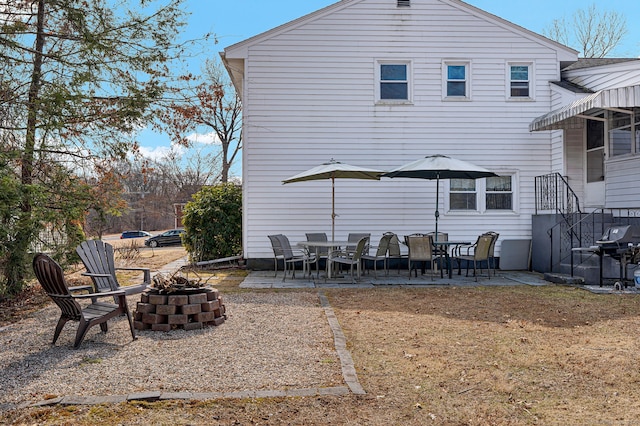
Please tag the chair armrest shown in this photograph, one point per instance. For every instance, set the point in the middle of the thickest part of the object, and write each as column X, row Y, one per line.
column 131, row 269
column 91, row 274
column 336, row 253
column 96, row 295
column 457, row 250
column 147, row 272
column 89, row 288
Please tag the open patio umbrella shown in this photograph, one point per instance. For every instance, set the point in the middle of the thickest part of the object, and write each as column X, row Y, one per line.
column 335, row 170
column 439, row 167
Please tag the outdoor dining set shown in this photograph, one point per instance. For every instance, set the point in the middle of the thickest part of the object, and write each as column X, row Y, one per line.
column 433, row 249
column 414, row 252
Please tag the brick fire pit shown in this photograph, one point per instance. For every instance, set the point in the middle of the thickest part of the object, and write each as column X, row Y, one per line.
column 189, row 309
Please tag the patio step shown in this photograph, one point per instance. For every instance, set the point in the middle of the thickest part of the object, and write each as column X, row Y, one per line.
column 559, row 278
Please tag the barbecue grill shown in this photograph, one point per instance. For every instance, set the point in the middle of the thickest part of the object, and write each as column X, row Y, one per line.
column 622, row 243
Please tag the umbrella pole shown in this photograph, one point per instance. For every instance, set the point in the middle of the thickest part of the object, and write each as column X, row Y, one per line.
column 333, row 208
column 437, row 202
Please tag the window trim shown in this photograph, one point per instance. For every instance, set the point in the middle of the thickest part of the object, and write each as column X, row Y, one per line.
column 531, row 80
column 378, row 81
column 481, row 197
column 445, row 79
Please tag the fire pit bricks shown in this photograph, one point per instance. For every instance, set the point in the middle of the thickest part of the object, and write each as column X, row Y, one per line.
column 166, row 312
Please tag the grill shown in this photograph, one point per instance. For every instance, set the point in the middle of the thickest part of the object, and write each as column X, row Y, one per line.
column 623, row 244
column 616, row 238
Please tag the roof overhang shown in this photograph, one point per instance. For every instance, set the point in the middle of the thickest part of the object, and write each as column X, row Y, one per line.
column 572, row 114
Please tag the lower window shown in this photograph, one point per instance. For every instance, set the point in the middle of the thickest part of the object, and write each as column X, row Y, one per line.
column 493, row 193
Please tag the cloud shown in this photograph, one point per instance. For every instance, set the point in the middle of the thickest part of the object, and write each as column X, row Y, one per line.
column 160, row 152
column 204, row 138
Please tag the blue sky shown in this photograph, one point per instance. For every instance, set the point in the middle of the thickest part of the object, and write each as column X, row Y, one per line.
column 236, row 20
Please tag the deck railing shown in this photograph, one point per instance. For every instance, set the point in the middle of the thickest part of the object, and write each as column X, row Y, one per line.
column 553, row 193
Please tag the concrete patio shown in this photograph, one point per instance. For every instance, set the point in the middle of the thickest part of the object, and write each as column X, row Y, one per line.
column 266, row 279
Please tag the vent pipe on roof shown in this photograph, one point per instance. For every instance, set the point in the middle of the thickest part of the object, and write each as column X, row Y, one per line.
column 404, row 3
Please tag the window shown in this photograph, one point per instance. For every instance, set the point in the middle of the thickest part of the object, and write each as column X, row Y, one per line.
column 520, row 81
column 624, row 132
column 456, row 80
column 499, row 194
column 394, row 81
column 462, row 194
column 481, row 195
column 595, row 150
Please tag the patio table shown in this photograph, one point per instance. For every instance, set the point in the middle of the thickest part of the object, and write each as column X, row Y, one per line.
column 444, row 247
column 331, row 245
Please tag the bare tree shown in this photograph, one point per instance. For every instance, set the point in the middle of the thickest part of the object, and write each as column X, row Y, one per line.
column 595, row 34
column 211, row 104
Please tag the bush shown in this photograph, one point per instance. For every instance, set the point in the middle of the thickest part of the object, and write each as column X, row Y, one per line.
column 213, row 223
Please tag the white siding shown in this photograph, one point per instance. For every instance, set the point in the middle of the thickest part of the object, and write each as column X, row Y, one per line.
column 623, row 175
column 606, row 76
column 309, row 96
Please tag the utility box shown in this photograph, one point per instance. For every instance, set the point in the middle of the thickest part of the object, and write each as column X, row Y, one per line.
column 515, row 255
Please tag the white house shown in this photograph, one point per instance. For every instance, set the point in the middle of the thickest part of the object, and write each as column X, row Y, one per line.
column 380, row 83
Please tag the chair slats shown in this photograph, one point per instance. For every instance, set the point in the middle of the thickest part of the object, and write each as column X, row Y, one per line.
column 51, row 278
column 98, row 258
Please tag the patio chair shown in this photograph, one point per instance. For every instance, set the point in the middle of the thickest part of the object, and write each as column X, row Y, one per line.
column 353, row 259
column 98, row 258
column 353, row 239
column 439, row 252
column 51, row 278
column 492, row 257
column 291, row 257
column 277, row 252
column 476, row 254
column 395, row 251
column 420, row 250
column 320, row 252
column 381, row 255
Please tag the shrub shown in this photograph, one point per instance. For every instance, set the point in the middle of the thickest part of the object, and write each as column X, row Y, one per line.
column 213, row 223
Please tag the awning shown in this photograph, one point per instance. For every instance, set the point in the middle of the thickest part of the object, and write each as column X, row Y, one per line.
column 565, row 117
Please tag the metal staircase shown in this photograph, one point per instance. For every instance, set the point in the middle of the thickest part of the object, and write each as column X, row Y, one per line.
column 574, row 228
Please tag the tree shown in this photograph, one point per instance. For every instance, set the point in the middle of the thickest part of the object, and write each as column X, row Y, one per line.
column 211, row 104
column 595, row 34
column 105, row 200
column 79, row 77
column 213, row 223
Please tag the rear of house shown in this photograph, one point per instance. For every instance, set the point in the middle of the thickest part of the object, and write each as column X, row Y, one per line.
column 380, row 83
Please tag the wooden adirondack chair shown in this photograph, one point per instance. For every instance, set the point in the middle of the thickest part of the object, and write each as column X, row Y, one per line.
column 98, row 258
column 51, row 278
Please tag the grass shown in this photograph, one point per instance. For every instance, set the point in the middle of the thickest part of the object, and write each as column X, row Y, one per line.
column 519, row 355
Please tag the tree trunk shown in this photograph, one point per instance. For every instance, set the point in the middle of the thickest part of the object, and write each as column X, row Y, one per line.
column 16, row 265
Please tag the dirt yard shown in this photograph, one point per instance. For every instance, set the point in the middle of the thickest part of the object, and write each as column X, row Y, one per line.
column 519, row 355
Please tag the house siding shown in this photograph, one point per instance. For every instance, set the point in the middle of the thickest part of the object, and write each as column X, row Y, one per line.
column 622, row 175
column 606, row 77
column 308, row 96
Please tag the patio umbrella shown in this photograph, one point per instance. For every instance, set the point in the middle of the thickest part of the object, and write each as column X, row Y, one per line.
column 439, row 167
column 335, row 170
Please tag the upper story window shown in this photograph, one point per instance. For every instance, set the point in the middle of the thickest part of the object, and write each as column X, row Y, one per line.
column 394, row 81
column 456, row 80
column 520, row 80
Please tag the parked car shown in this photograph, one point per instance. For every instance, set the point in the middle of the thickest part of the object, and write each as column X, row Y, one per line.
column 135, row 234
column 167, row 238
